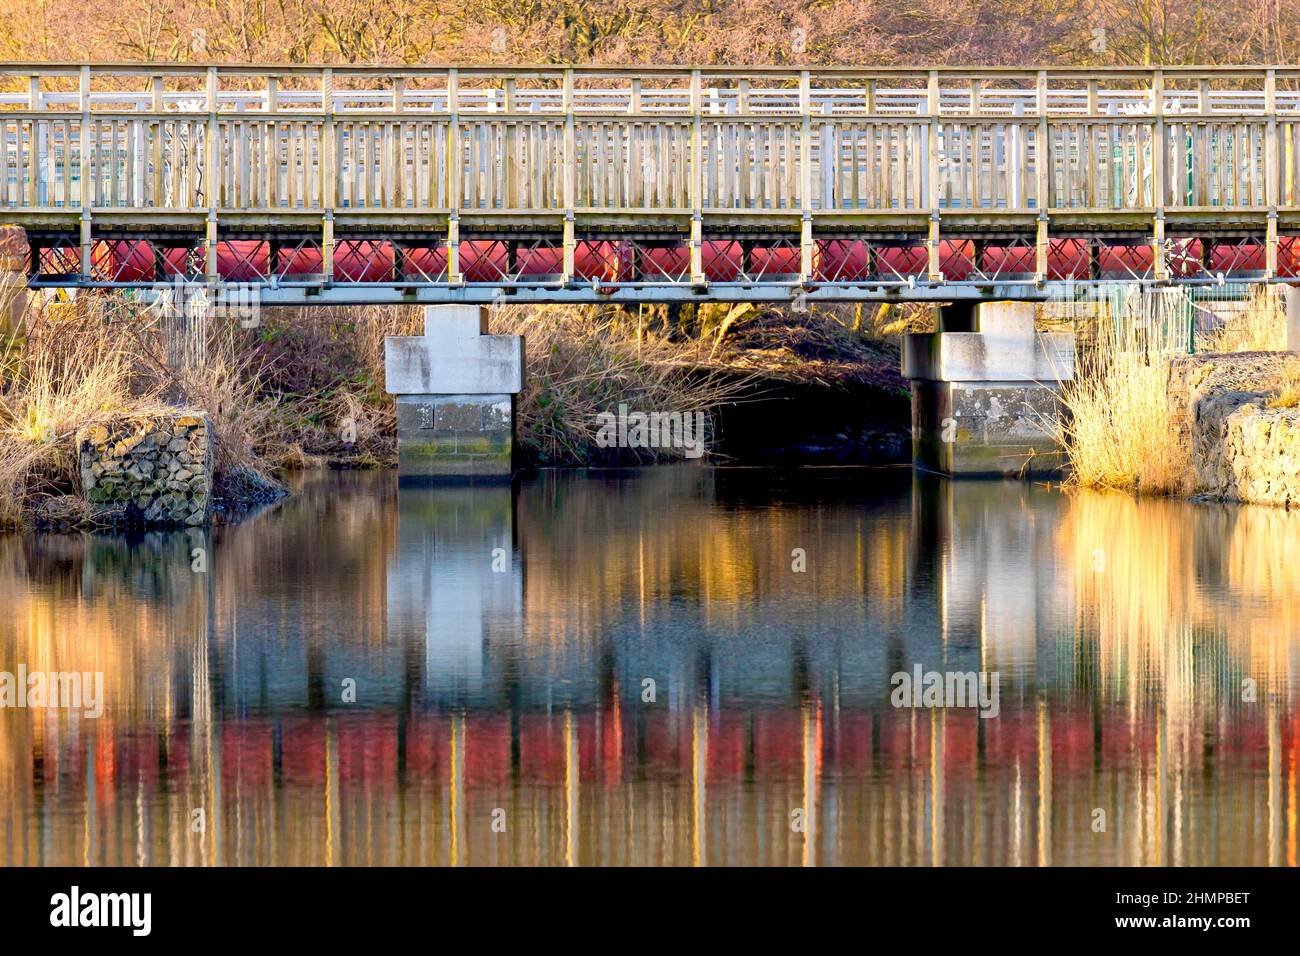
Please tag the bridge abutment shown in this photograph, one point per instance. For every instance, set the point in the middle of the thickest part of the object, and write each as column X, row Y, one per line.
column 983, row 401
column 455, row 388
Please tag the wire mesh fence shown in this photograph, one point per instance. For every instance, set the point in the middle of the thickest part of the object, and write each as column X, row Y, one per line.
column 1234, row 316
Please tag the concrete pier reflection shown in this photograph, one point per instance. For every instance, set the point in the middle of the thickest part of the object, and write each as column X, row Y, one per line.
column 456, row 583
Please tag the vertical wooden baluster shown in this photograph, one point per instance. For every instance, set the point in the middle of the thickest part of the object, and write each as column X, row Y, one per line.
column 612, row 166
column 211, row 175
column 1142, row 145
column 1159, row 173
column 887, row 156
column 896, row 142
column 7, row 195
column 1271, row 169
column 378, row 168
column 387, row 186
column 1204, row 129
column 132, row 133
column 84, row 196
column 400, row 190
column 540, row 178
column 876, row 133
column 570, row 172
column 933, row 106
column 155, row 127
column 976, row 135
column 514, row 163
column 806, row 246
column 1295, row 163
column 329, row 173
column 21, row 164
column 1043, row 167
column 35, row 192
column 1119, row 160
column 1228, row 163
column 454, row 180
column 696, row 182
column 271, row 145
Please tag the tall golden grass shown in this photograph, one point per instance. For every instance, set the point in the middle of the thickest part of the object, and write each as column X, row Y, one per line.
column 1259, row 327
column 1117, row 430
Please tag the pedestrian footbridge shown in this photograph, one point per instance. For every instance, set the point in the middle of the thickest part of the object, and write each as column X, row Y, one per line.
column 593, row 184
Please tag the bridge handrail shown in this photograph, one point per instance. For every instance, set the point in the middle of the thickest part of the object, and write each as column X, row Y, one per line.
column 800, row 151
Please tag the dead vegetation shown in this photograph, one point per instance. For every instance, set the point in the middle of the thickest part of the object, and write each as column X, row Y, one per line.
column 304, row 389
column 1075, row 32
column 1117, row 429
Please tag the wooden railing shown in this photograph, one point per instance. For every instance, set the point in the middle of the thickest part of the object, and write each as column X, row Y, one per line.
column 427, row 148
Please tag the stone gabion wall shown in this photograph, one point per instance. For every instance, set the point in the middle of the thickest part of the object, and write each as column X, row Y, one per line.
column 1249, row 452
column 1238, row 449
column 155, row 470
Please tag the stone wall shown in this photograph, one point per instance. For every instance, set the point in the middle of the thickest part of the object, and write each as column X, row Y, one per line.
column 1238, row 449
column 155, row 470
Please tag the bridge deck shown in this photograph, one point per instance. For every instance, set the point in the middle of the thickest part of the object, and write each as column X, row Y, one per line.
column 453, row 183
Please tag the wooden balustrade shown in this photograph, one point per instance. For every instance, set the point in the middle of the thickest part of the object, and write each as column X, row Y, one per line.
column 425, row 148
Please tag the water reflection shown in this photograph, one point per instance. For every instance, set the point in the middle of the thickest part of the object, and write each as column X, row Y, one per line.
column 502, row 643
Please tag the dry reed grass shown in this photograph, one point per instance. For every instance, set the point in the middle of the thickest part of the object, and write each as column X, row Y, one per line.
column 69, row 367
column 1117, row 430
column 581, row 362
column 1259, row 327
column 100, row 357
column 306, row 388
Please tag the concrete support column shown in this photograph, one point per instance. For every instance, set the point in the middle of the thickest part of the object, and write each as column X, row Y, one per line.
column 983, row 401
column 1291, row 295
column 455, row 388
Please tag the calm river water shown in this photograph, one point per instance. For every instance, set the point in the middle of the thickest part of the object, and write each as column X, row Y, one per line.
column 675, row 665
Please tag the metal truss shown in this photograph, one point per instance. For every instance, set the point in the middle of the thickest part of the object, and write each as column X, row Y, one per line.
column 756, row 267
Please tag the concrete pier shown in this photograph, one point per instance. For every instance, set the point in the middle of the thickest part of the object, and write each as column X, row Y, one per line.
column 455, row 388
column 1291, row 298
column 983, row 401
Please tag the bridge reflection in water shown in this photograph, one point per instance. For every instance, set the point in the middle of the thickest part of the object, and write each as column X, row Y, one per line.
column 1122, row 630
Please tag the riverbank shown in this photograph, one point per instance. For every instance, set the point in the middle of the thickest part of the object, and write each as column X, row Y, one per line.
column 1143, row 415
column 304, row 389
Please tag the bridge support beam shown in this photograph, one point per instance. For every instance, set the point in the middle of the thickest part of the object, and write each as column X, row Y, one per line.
column 983, row 401
column 455, row 388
